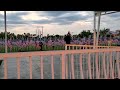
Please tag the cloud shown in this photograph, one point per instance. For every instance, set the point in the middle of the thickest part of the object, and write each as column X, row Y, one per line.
column 71, row 18
column 41, row 22
column 62, row 17
column 50, row 17
column 1, row 17
column 57, row 13
column 16, row 16
column 33, row 16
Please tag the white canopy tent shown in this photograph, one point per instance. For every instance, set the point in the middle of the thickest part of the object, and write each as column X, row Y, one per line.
column 96, row 37
column 97, row 29
column 5, row 32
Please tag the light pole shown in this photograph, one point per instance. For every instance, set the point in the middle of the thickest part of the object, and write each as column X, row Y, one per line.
column 39, row 32
column 5, row 32
column 42, row 31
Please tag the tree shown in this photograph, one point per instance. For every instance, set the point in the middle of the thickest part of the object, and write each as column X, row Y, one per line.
column 104, row 32
column 85, row 33
column 57, row 36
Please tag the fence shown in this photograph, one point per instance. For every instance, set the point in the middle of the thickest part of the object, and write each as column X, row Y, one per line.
column 91, row 63
column 76, row 47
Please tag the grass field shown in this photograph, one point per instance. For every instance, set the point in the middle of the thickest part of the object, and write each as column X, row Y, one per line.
column 30, row 48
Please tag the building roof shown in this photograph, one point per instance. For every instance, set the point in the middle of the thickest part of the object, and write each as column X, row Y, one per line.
column 104, row 12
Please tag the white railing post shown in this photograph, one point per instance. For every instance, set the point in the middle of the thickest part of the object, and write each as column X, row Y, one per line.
column 96, row 62
column 104, row 68
column 118, row 65
column 18, row 67
column 72, row 67
column 66, row 66
column 89, row 66
column 111, row 67
column 81, row 69
column 41, row 67
column 5, row 68
column 52, row 66
column 65, row 47
column 30, row 66
column 63, row 66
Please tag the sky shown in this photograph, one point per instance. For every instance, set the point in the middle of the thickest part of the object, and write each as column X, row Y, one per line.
column 55, row 22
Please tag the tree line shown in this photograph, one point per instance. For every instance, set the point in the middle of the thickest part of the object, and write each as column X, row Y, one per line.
column 84, row 33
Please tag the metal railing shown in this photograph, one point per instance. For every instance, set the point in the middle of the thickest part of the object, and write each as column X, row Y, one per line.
column 79, row 47
column 92, row 63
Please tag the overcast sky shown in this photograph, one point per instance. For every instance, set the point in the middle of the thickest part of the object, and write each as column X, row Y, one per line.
column 55, row 22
